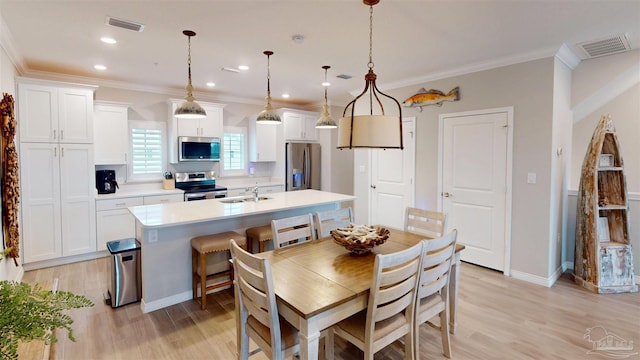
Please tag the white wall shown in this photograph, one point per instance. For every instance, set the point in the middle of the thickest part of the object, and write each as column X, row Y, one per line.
column 528, row 87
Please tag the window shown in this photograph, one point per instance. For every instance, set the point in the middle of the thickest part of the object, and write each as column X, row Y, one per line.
column 148, row 150
column 234, row 148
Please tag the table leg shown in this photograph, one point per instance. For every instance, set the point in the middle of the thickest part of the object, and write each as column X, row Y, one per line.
column 309, row 344
column 453, row 293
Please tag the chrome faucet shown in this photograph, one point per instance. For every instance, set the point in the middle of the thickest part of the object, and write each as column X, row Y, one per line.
column 254, row 190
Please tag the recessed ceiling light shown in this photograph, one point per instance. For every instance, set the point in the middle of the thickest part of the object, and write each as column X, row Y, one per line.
column 285, row 95
column 99, row 67
column 243, row 67
column 211, row 84
column 108, row 40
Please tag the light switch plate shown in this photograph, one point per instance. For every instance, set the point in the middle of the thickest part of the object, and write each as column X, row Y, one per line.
column 152, row 236
column 531, row 178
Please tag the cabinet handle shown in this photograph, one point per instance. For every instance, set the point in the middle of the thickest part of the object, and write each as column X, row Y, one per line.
column 125, row 157
column 55, row 152
column 61, row 134
column 164, row 200
column 61, row 152
column 121, row 204
column 54, row 135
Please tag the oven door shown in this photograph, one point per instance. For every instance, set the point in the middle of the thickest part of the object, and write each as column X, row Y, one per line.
column 204, row 195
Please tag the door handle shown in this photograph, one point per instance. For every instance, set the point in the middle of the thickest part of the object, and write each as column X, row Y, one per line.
column 373, row 187
column 446, row 194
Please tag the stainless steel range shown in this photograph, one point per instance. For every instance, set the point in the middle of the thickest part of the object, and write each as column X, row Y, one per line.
column 199, row 185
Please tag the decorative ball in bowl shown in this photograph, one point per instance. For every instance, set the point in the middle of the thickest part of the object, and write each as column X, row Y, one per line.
column 360, row 239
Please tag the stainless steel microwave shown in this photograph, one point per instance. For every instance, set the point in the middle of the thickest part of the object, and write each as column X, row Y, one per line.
column 191, row 148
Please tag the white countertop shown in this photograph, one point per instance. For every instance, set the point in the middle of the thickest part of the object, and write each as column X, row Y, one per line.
column 172, row 214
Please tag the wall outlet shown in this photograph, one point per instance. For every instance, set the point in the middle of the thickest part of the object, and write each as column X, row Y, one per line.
column 152, row 236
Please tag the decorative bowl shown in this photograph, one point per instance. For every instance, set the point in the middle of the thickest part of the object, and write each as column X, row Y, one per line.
column 360, row 239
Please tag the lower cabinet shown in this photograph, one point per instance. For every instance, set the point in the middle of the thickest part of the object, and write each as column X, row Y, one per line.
column 57, row 186
column 114, row 221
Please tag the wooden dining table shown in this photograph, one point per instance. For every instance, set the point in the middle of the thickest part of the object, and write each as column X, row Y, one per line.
column 320, row 283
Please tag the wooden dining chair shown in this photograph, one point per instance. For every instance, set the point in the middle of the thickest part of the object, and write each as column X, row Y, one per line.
column 256, row 311
column 389, row 314
column 433, row 295
column 332, row 219
column 292, row 230
column 425, row 222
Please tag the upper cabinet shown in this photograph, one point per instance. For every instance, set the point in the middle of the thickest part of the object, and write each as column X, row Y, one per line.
column 211, row 126
column 262, row 141
column 55, row 112
column 299, row 125
column 111, row 129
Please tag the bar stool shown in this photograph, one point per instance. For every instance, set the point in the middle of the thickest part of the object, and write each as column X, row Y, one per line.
column 200, row 247
column 260, row 233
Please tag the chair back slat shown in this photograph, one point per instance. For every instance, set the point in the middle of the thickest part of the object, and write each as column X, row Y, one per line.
column 437, row 258
column 332, row 219
column 255, row 297
column 425, row 222
column 394, row 287
column 297, row 228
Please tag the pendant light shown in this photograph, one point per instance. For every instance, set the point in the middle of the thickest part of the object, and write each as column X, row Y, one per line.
column 189, row 108
column 268, row 115
column 374, row 130
column 325, row 121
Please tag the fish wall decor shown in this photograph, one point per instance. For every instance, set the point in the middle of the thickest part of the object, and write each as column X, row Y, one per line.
column 431, row 97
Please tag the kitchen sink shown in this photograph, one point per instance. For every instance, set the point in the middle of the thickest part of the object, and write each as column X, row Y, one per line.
column 236, row 200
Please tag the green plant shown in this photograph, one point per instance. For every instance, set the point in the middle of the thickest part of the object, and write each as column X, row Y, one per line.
column 28, row 313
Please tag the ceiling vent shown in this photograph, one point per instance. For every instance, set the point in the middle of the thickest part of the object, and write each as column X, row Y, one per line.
column 606, row 46
column 125, row 24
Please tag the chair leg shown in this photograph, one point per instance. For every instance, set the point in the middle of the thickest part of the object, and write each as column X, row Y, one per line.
column 409, row 350
column 261, row 246
column 444, row 331
column 194, row 270
column 328, row 344
column 203, row 281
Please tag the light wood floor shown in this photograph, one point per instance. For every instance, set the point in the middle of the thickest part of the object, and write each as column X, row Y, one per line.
column 499, row 318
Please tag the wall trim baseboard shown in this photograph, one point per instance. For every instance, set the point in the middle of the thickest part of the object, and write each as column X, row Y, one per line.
column 147, row 307
column 535, row 279
column 64, row 260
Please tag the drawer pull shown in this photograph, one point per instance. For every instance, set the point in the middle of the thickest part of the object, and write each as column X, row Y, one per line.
column 121, row 204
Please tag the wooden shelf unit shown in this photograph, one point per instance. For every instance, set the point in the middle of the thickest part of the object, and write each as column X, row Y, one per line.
column 603, row 258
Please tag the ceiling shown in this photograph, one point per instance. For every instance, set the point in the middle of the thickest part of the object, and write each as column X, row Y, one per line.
column 413, row 41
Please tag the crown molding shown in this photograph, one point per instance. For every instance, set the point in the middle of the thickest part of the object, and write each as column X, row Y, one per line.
column 468, row 69
column 6, row 42
column 568, row 57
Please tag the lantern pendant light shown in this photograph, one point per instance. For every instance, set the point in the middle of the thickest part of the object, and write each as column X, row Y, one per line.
column 190, row 109
column 325, row 121
column 268, row 115
column 374, row 130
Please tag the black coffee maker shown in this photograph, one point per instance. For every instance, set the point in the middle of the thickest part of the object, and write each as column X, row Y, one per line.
column 106, row 181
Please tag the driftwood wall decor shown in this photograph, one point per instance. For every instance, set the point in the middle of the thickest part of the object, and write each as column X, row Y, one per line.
column 10, row 179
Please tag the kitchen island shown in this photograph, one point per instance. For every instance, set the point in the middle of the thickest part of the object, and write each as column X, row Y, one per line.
column 165, row 231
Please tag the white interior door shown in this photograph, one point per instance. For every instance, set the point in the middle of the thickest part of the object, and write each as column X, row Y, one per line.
column 392, row 180
column 474, row 185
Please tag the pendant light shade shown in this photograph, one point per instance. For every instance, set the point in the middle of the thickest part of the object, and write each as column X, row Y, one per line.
column 189, row 108
column 325, row 121
column 268, row 115
column 376, row 129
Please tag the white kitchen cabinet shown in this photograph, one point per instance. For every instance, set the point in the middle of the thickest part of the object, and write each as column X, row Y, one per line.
column 51, row 112
column 163, row 199
column 111, row 133
column 114, row 221
column 299, row 125
column 211, row 126
column 57, row 200
column 262, row 141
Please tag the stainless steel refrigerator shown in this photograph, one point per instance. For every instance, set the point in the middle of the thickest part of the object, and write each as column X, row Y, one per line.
column 303, row 166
